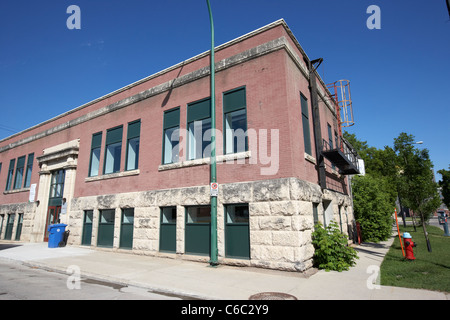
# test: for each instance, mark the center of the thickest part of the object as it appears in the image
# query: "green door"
(19, 227)
(237, 234)
(198, 230)
(9, 226)
(87, 228)
(105, 236)
(126, 229)
(168, 230)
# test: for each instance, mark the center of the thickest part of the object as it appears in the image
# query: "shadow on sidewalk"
(4, 246)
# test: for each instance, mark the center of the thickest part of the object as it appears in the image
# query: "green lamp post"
(213, 185)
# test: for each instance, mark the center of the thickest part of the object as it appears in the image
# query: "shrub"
(331, 249)
(373, 207)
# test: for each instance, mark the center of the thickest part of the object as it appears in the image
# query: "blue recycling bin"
(56, 234)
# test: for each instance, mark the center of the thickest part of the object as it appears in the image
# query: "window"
(95, 154)
(330, 137)
(330, 142)
(315, 213)
(199, 125)
(133, 137)
(126, 229)
(201, 214)
(113, 150)
(305, 122)
(12, 163)
(235, 121)
(105, 232)
(169, 215)
(237, 231)
(171, 136)
(19, 173)
(29, 170)
(57, 184)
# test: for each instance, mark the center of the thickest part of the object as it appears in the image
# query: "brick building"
(130, 170)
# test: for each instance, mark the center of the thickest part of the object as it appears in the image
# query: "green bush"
(332, 251)
(373, 207)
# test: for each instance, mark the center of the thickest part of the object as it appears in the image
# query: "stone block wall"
(280, 224)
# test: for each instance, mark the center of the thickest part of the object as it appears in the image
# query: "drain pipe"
(316, 122)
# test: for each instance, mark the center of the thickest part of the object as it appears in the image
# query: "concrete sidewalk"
(199, 281)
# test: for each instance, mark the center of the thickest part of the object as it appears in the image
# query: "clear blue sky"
(400, 74)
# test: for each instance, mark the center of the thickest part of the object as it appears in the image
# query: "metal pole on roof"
(213, 185)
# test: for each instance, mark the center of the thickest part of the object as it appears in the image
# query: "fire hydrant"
(409, 245)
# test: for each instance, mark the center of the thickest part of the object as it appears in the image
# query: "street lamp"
(213, 179)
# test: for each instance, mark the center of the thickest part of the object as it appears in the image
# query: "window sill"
(113, 175)
(16, 191)
(205, 161)
(310, 158)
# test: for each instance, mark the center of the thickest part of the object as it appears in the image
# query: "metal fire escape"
(342, 155)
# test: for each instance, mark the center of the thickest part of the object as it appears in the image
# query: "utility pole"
(213, 183)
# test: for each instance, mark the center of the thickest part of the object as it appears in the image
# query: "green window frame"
(235, 121)
(198, 230)
(171, 136)
(29, 170)
(105, 230)
(113, 150)
(237, 231)
(19, 172)
(199, 129)
(133, 140)
(168, 229)
(126, 229)
(9, 179)
(305, 123)
(94, 161)
(57, 184)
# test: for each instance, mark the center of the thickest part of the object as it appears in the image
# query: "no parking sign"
(214, 189)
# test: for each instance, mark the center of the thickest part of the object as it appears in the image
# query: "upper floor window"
(113, 150)
(305, 123)
(95, 154)
(9, 179)
(133, 139)
(235, 121)
(19, 173)
(29, 170)
(171, 136)
(199, 127)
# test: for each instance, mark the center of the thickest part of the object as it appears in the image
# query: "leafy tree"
(445, 185)
(374, 194)
(373, 207)
(415, 179)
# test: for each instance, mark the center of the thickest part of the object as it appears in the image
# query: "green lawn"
(430, 270)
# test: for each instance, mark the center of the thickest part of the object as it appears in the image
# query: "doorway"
(55, 200)
(52, 218)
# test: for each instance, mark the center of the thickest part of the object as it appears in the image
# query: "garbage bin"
(56, 234)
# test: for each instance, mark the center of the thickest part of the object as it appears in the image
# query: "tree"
(415, 179)
(445, 185)
(373, 207)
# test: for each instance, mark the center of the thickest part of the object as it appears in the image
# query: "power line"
(6, 128)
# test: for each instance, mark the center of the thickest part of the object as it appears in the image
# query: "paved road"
(20, 282)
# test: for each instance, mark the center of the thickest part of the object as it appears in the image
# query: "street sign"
(214, 189)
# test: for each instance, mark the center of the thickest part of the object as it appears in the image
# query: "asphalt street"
(21, 282)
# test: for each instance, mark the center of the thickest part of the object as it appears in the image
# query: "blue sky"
(400, 74)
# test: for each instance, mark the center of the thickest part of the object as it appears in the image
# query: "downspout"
(316, 122)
